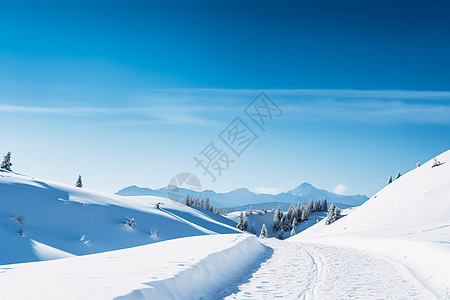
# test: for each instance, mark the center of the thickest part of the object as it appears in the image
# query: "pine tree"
(418, 164)
(6, 164)
(290, 212)
(390, 179)
(242, 222)
(263, 231)
(208, 204)
(294, 224)
(276, 219)
(245, 223)
(398, 175)
(280, 235)
(324, 204)
(333, 214)
(79, 183)
(310, 206)
(253, 230)
(187, 203)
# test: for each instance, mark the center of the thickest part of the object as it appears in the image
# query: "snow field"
(187, 268)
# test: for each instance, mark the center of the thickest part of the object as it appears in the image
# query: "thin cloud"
(206, 106)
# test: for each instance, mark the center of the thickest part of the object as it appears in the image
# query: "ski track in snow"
(316, 271)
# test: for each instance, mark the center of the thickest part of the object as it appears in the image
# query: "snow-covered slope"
(408, 220)
(60, 221)
(202, 267)
(244, 197)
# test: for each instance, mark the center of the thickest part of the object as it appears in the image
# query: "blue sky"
(129, 92)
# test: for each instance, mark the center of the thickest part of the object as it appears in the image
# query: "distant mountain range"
(242, 197)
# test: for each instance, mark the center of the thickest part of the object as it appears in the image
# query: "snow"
(408, 221)
(61, 221)
(186, 268)
(395, 246)
(314, 271)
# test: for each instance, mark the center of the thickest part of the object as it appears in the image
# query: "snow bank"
(187, 268)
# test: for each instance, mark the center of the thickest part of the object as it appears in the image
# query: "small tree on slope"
(333, 214)
(79, 183)
(6, 164)
(263, 231)
(390, 179)
(242, 222)
(398, 175)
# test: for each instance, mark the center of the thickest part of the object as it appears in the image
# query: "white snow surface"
(315, 271)
(201, 267)
(62, 221)
(408, 221)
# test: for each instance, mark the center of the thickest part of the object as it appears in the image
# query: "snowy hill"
(244, 197)
(200, 267)
(408, 220)
(42, 220)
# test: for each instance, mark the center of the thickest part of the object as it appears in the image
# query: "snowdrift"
(187, 268)
(41, 220)
(408, 221)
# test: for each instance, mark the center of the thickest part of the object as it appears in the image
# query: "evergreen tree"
(280, 234)
(390, 179)
(187, 203)
(333, 214)
(298, 212)
(418, 164)
(398, 175)
(253, 230)
(6, 164)
(305, 213)
(310, 206)
(79, 183)
(290, 212)
(245, 223)
(208, 204)
(324, 205)
(294, 224)
(263, 231)
(276, 220)
(241, 222)
(285, 223)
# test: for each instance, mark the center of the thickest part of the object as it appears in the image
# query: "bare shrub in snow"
(153, 234)
(85, 241)
(436, 163)
(17, 219)
(129, 222)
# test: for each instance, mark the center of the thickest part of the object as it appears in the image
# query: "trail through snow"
(316, 271)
